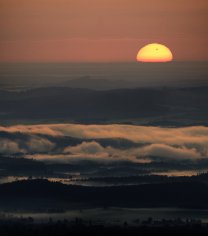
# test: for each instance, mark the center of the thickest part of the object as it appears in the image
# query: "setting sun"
(154, 53)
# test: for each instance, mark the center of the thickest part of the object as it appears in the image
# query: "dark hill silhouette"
(42, 193)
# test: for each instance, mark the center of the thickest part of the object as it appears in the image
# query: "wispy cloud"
(9, 147)
(37, 144)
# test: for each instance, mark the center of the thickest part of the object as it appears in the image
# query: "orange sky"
(101, 30)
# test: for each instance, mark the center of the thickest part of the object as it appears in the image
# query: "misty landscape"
(74, 147)
(103, 117)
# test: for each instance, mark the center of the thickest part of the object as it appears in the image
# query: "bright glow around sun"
(154, 52)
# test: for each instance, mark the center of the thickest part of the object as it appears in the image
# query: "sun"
(154, 52)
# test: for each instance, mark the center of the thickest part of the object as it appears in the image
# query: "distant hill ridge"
(121, 105)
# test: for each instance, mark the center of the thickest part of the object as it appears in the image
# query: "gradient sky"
(101, 30)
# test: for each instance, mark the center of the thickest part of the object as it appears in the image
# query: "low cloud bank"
(169, 144)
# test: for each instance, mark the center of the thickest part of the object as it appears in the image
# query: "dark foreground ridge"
(42, 194)
(25, 227)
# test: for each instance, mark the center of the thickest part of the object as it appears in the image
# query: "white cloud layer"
(189, 143)
(180, 136)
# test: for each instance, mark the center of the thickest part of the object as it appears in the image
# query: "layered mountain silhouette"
(167, 106)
